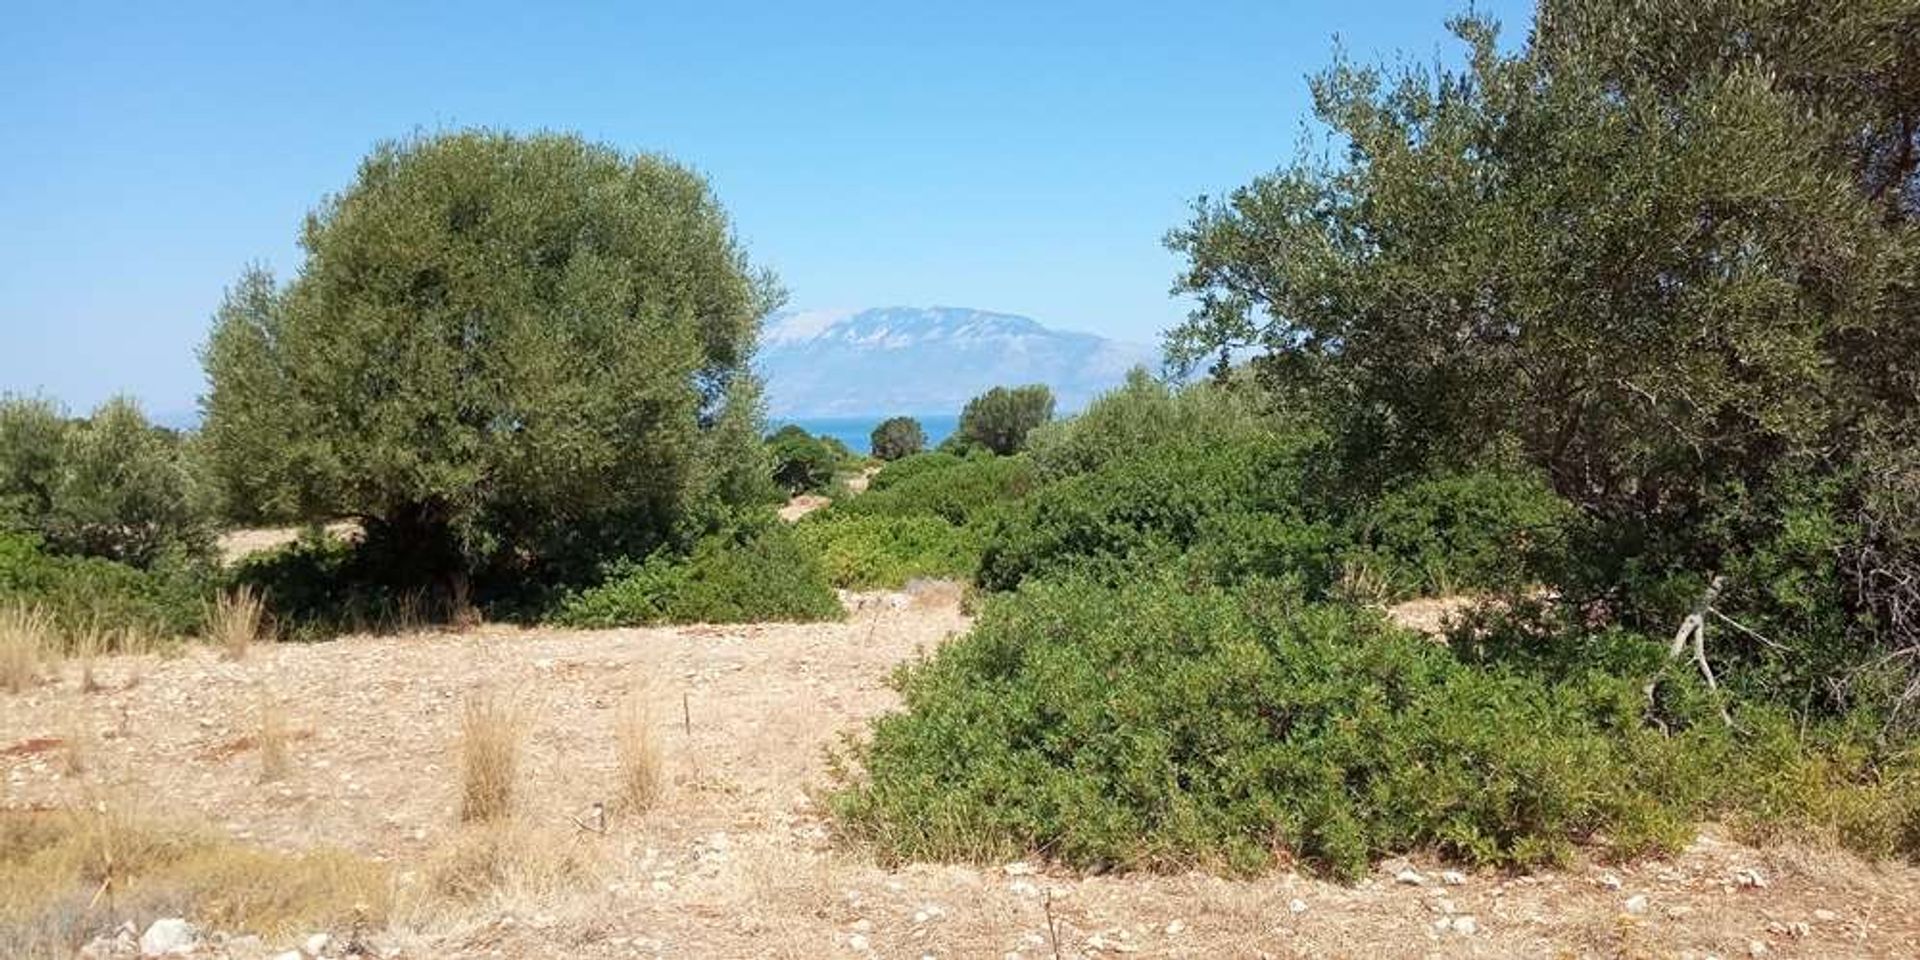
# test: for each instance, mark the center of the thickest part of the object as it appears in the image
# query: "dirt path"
(737, 861)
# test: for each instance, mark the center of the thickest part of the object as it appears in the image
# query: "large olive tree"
(498, 347)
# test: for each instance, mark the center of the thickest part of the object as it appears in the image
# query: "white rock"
(1466, 926)
(1756, 948)
(1410, 876)
(167, 935)
(859, 943)
(1610, 881)
(1750, 878)
(1453, 878)
(1297, 905)
(863, 925)
(1637, 904)
(1023, 888)
(1825, 916)
(1176, 928)
(315, 944)
(1019, 868)
(290, 955)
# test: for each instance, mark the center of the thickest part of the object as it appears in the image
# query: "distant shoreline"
(856, 430)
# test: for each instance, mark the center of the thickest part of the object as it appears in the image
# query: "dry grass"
(27, 638)
(67, 875)
(490, 735)
(271, 737)
(642, 769)
(235, 620)
(76, 754)
(506, 862)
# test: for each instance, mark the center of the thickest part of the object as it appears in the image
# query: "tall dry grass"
(490, 733)
(27, 639)
(642, 767)
(271, 737)
(235, 620)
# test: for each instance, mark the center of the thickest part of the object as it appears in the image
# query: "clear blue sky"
(1019, 156)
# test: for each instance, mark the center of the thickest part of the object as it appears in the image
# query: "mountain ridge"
(919, 360)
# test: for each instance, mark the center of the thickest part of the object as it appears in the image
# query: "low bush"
(959, 491)
(760, 574)
(906, 468)
(1488, 530)
(1152, 505)
(92, 596)
(1157, 725)
(862, 552)
(322, 586)
(802, 462)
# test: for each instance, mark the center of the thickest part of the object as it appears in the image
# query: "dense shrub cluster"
(110, 485)
(802, 462)
(923, 516)
(999, 420)
(1159, 725)
(90, 595)
(759, 574)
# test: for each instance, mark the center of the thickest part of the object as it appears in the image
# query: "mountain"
(822, 363)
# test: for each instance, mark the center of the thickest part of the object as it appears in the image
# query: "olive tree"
(496, 348)
(1001, 418)
(897, 437)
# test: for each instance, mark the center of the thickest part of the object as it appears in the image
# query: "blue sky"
(1014, 156)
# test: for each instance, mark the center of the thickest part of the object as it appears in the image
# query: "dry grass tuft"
(65, 875)
(235, 621)
(642, 769)
(507, 862)
(271, 737)
(26, 639)
(490, 734)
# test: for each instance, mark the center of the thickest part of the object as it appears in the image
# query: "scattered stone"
(1825, 916)
(1637, 904)
(1019, 868)
(1610, 881)
(1798, 928)
(863, 925)
(1466, 926)
(1297, 905)
(167, 936)
(1453, 878)
(859, 943)
(1750, 878)
(1023, 888)
(1410, 876)
(1176, 928)
(290, 955)
(1756, 948)
(315, 944)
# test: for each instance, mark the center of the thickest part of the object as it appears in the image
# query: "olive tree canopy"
(497, 346)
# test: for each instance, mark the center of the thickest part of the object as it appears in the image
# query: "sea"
(857, 432)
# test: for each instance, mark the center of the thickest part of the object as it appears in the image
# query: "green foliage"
(89, 594)
(111, 486)
(743, 576)
(1481, 531)
(499, 351)
(897, 437)
(321, 587)
(1238, 502)
(960, 491)
(1000, 419)
(1665, 251)
(1156, 726)
(870, 551)
(1159, 726)
(906, 468)
(802, 462)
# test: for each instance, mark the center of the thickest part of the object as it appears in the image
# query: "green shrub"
(1156, 726)
(1000, 419)
(897, 437)
(765, 574)
(111, 485)
(955, 490)
(907, 468)
(1484, 530)
(320, 587)
(88, 594)
(860, 552)
(1143, 413)
(1155, 503)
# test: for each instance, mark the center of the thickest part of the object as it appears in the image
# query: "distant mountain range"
(887, 360)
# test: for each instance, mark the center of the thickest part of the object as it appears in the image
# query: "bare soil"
(738, 859)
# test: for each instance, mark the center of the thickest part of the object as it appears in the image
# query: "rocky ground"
(737, 860)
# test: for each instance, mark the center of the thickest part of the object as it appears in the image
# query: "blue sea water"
(857, 432)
